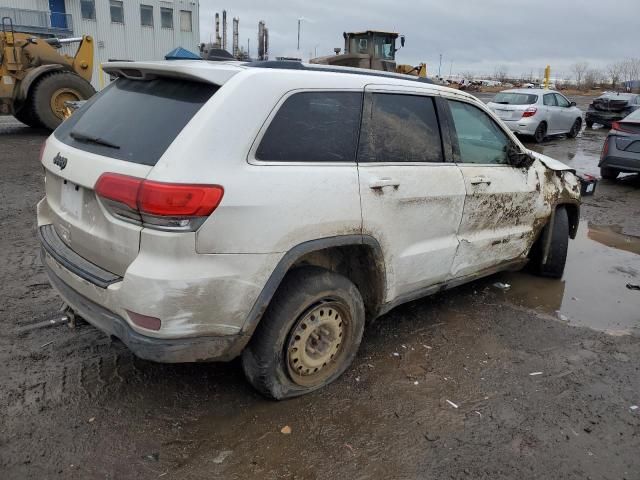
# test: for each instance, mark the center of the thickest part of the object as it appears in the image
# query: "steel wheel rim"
(316, 343)
(59, 98)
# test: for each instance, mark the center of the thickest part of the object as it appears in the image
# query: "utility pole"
(440, 66)
(450, 68)
(299, 22)
(248, 52)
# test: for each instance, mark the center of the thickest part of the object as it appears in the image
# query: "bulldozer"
(36, 81)
(372, 49)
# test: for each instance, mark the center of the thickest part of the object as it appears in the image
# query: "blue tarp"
(181, 54)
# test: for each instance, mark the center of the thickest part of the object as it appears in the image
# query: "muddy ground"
(74, 404)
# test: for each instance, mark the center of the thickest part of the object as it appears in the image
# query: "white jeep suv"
(200, 211)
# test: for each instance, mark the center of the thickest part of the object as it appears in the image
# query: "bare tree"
(631, 70)
(579, 69)
(615, 73)
(500, 73)
(592, 78)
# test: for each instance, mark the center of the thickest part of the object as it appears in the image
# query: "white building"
(122, 29)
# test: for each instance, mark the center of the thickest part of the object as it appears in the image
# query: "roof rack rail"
(297, 65)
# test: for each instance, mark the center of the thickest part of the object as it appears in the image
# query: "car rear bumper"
(603, 118)
(524, 126)
(623, 161)
(202, 301)
(176, 350)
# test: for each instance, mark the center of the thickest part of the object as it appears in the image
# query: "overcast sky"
(472, 35)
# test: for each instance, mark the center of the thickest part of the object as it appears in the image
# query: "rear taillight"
(605, 149)
(620, 127)
(529, 112)
(42, 147)
(160, 205)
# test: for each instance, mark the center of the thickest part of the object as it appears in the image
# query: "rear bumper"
(623, 161)
(197, 349)
(603, 118)
(524, 126)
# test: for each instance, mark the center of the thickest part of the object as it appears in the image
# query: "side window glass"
(314, 127)
(561, 101)
(402, 128)
(480, 140)
(549, 100)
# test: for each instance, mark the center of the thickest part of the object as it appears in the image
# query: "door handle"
(480, 181)
(379, 183)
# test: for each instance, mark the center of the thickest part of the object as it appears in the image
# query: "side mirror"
(518, 158)
(573, 104)
(402, 40)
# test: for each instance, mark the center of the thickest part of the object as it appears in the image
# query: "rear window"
(135, 120)
(507, 98)
(314, 127)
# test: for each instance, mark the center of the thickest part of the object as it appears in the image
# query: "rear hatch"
(512, 105)
(125, 129)
(611, 103)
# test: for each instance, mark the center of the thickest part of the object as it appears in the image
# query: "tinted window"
(402, 128)
(117, 11)
(479, 139)
(88, 9)
(140, 118)
(166, 17)
(508, 98)
(314, 127)
(549, 100)
(146, 15)
(561, 101)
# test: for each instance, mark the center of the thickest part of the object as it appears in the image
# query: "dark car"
(610, 107)
(621, 151)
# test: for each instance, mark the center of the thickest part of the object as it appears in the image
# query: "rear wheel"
(49, 95)
(557, 256)
(309, 335)
(575, 129)
(540, 133)
(589, 123)
(609, 173)
(26, 116)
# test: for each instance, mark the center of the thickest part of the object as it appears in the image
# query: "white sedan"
(537, 112)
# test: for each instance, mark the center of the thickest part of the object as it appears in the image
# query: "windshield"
(510, 98)
(383, 47)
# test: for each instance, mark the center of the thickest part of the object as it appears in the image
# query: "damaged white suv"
(201, 211)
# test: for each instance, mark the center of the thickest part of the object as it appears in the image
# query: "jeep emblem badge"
(60, 161)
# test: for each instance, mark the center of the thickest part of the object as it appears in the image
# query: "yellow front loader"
(36, 80)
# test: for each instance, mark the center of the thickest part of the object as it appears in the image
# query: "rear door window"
(314, 127)
(401, 128)
(135, 120)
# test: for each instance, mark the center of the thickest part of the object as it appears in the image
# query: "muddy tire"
(309, 335)
(609, 173)
(540, 133)
(589, 124)
(51, 91)
(575, 128)
(557, 258)
(25, 115)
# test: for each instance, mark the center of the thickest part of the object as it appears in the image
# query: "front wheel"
(540, 133)
(575, 129)
(309, 335)
(557, 256)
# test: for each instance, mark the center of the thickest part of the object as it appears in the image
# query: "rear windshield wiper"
(83, 137)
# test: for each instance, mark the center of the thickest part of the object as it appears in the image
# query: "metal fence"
(38, 21)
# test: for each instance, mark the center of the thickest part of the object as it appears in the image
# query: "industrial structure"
(121, 29)
(218, 49)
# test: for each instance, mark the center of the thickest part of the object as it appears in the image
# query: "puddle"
(592, 293)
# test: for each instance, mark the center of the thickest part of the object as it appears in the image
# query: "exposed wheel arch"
(357, 257)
